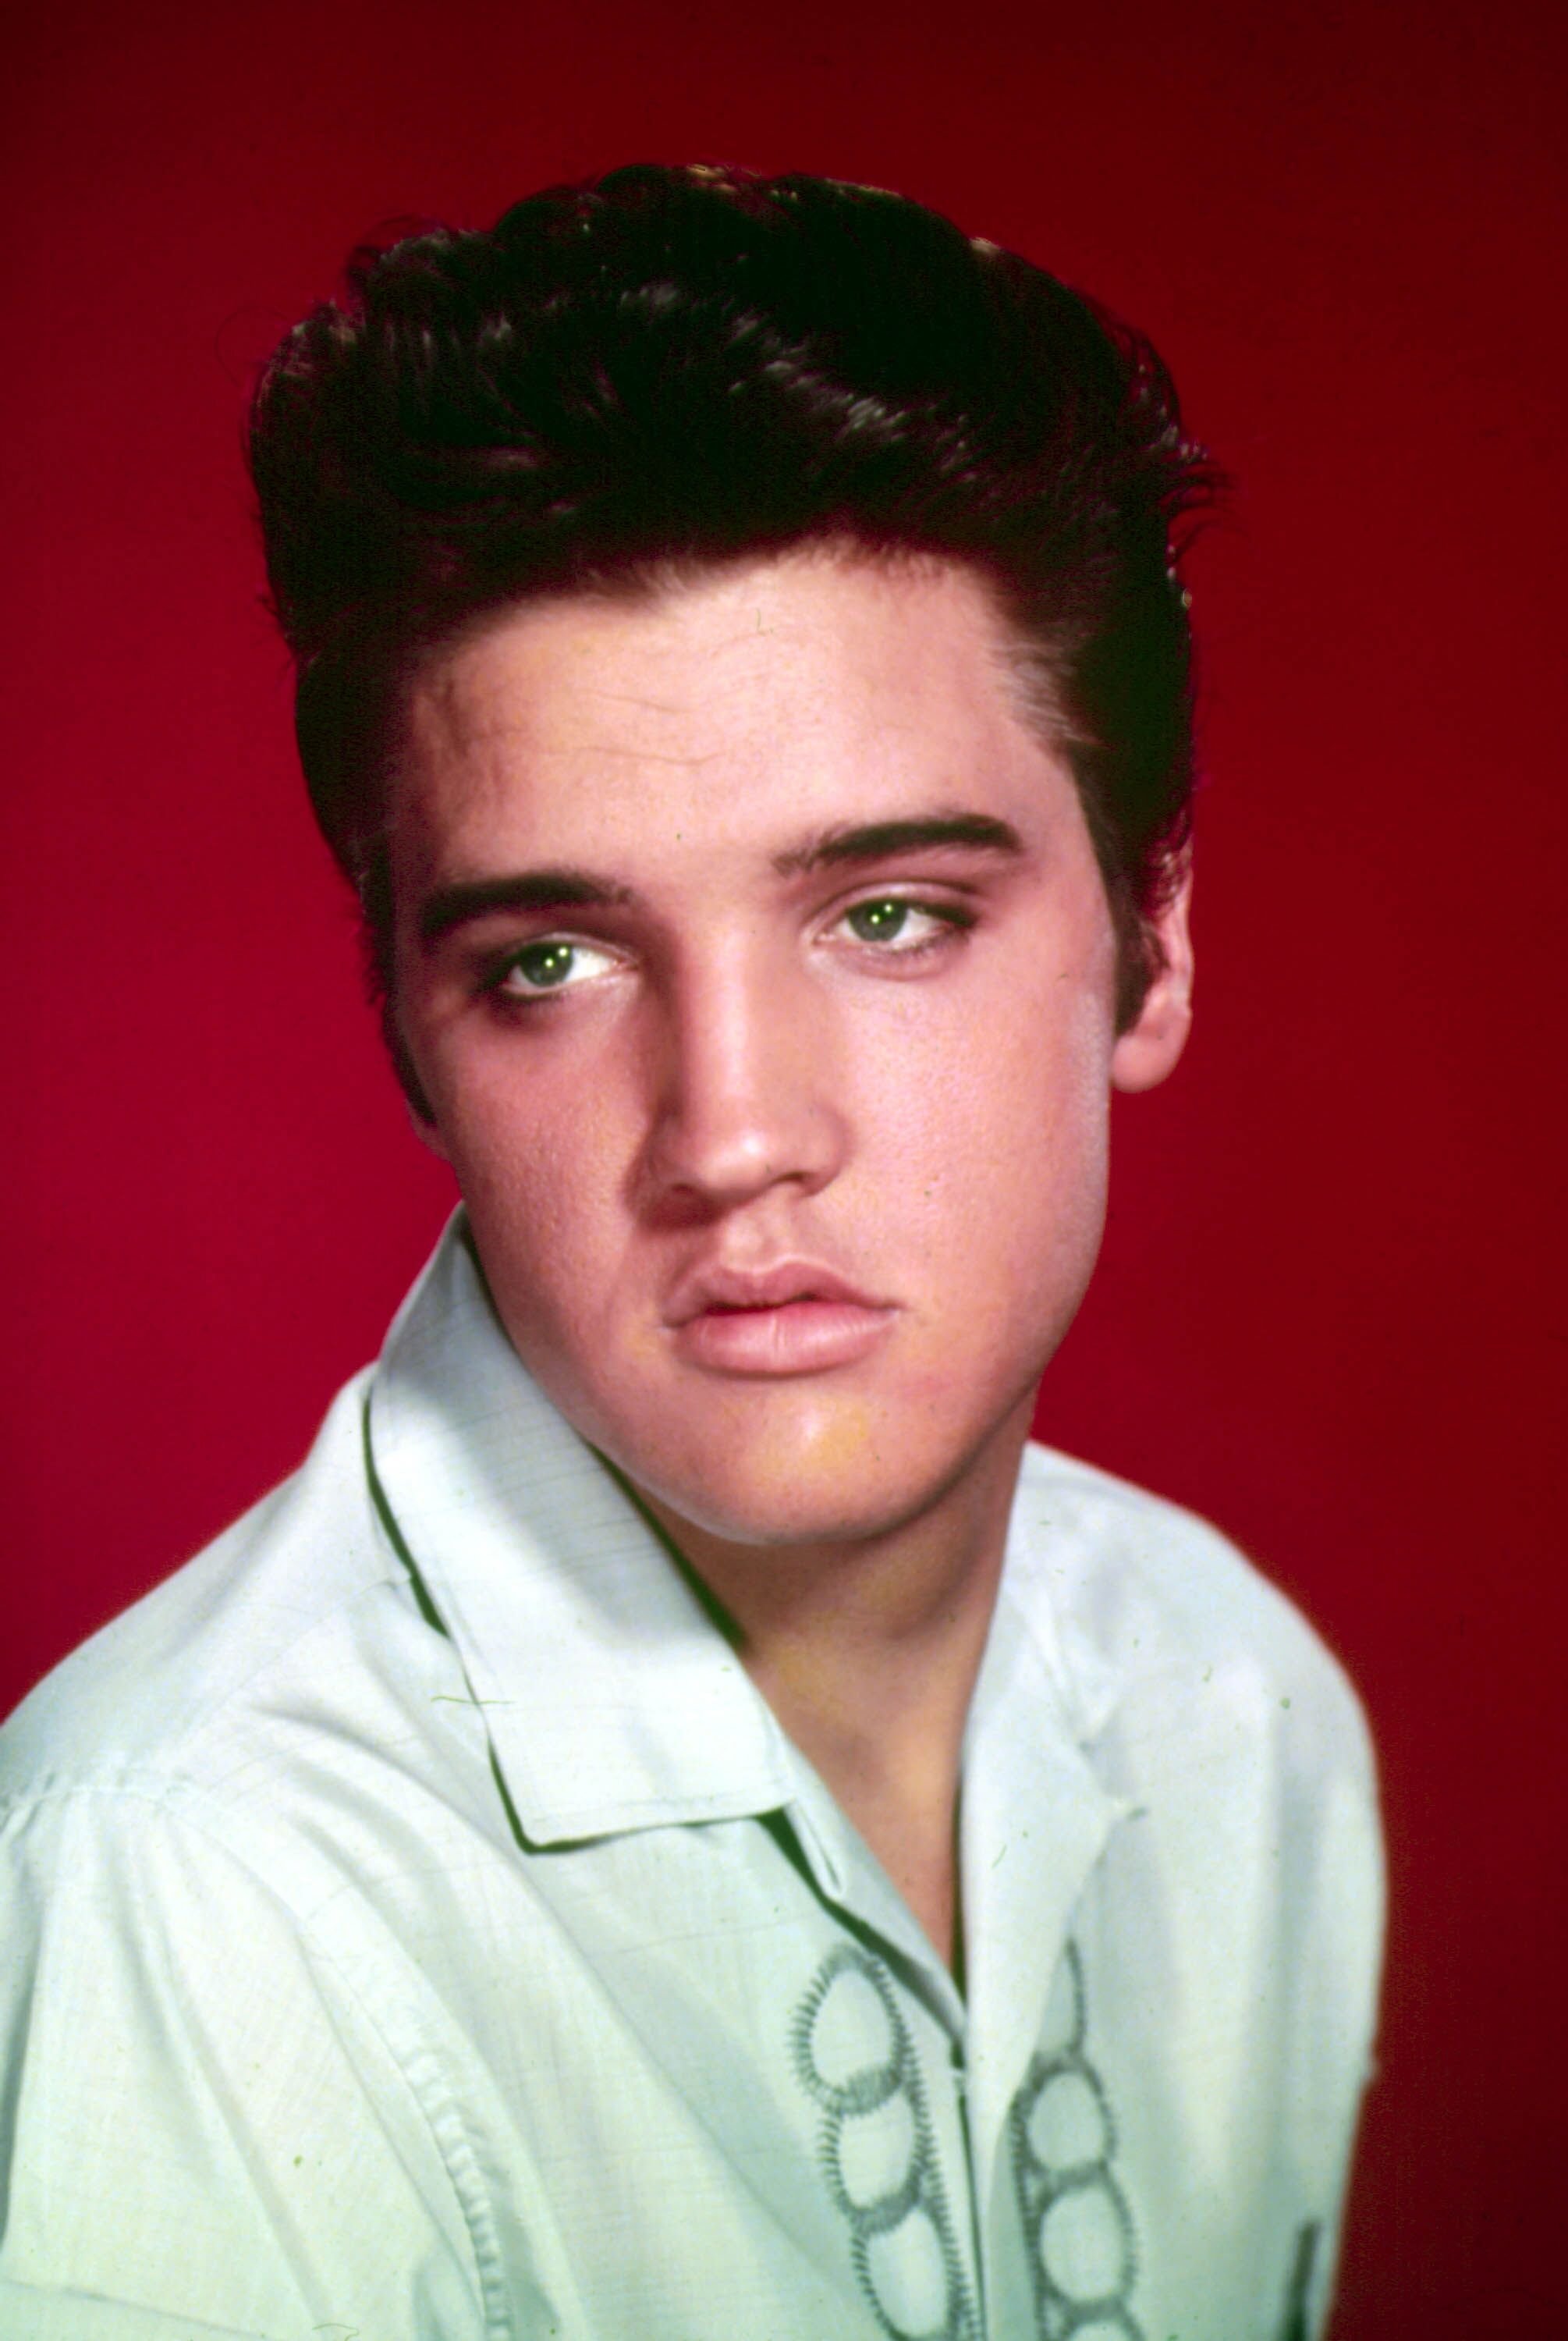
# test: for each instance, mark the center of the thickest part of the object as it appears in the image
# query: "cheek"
(1015, 1198)
(1011, 1108)
(542, 1170)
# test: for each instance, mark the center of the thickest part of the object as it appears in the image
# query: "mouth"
(796, 1317)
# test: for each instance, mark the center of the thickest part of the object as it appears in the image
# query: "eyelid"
(915, 895)
(951, 919)
(912, 886)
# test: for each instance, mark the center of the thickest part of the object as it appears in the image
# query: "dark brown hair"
(672, 368)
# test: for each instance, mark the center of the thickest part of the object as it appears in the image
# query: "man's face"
(753, 958)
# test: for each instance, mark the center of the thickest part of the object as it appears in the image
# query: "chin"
(761, 1520)
(760, 1464)
(842, 1487)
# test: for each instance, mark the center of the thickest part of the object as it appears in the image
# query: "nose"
(747, 1095)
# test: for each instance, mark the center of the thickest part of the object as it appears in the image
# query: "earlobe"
(1150, 1046)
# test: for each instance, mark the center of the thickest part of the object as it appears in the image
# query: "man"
(678, 1821)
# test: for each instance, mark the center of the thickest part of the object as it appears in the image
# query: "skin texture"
(742, 1058)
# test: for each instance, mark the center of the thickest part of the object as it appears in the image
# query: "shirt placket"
(1036, 1821)
(878, 2043)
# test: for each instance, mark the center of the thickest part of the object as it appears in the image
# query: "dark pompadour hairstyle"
(669, 368)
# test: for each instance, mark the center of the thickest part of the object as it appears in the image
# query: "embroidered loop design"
(1079, 2229)
(854, 2055)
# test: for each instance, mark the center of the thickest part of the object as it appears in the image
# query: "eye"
(895, 925)
(549, 965)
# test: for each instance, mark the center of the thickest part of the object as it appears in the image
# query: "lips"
(793, 1316)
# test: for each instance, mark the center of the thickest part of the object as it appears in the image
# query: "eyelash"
(953, 919)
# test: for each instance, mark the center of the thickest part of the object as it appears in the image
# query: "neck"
(868, 1649)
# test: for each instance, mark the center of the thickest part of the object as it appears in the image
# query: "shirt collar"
(611, 1701)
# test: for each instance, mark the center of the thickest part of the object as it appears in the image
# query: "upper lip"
(718, 1287)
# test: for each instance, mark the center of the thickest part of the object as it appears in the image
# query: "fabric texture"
(413, 1923)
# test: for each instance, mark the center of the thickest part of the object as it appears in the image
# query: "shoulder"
(197, 1812)
(228, 1770)
(1211, 1708)
(164, 1689)
(1140, 1591)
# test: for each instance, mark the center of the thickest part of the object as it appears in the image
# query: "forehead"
(747, 702)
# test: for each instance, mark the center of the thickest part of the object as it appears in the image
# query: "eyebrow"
(454, 905)
(465, 899)
(874, 841)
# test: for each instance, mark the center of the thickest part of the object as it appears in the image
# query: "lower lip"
(802, 1337)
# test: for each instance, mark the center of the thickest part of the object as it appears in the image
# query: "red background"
(1325, 1315)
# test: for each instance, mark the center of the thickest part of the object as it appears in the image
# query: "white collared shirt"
(413, 1923)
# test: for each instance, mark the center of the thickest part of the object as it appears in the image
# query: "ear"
(1148, 1050)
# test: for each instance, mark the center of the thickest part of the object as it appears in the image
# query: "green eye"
(901, 931)
(554, 963)
(878, 923)
(544, 966)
